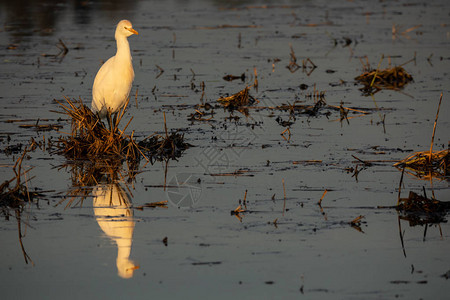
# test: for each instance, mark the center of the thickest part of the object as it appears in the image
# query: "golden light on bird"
(113, 81)
(132, 30)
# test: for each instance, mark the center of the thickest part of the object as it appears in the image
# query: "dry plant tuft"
(423, 163)
(374, 80)
(16, 195)
(237, 100)
(428, 163)
(391, 78)
(90, 139)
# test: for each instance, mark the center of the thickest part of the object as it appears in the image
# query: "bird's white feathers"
(113, 81)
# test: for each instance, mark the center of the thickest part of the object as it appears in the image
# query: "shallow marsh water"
(84, 250)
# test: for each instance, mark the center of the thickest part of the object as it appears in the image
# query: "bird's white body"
(113, 81)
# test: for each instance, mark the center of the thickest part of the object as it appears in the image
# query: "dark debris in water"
(13, 149)
(446, 275)
(234, 77)
(161, 147)
(420, 210)
(162, 204)
(42, 127)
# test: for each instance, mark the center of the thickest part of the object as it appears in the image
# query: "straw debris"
(392, 78)
(90, 139)
(424, 164)
(374, 80)
(237, 100)
(428, 163)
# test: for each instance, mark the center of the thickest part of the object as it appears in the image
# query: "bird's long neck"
(123, 48)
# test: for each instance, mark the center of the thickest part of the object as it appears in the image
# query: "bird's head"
(125, 28)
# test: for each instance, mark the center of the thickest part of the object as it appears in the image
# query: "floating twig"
(321, 198)
(284, 202)
(434, 127)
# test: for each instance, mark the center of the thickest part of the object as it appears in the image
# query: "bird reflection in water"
(112, 209)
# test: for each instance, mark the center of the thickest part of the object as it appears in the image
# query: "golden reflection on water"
(112, 210)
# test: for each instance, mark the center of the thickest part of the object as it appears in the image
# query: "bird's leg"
(108, 118)
(98, 117)
(115, 120)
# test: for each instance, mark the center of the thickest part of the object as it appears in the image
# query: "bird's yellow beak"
(132, 31)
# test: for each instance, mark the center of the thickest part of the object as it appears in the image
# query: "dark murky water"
(194, 247)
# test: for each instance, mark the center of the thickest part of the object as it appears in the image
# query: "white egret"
(113, 81)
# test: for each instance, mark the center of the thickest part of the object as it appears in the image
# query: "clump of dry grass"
(429, 163)
(374, 80)
(90, 139)
(424, 163)
(237, 100)
(391, 78)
